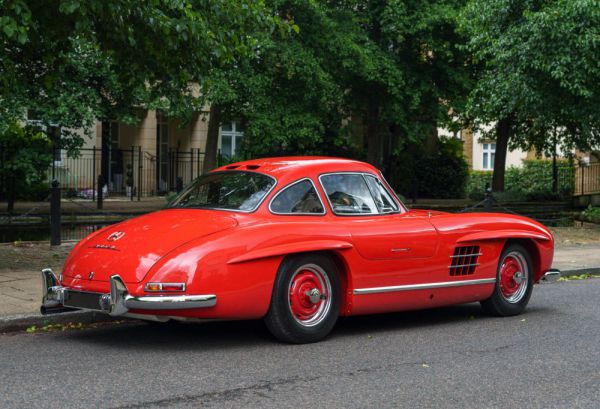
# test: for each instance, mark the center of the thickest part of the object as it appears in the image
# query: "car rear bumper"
(551, 275)
(118, 301)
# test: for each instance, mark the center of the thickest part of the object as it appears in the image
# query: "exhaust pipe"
(59, 309)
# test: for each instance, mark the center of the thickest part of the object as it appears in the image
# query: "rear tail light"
(164, 287)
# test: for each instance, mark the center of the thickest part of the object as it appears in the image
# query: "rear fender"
(291, 248)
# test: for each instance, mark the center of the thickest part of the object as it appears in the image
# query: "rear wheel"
(306, 299)
(514, 282)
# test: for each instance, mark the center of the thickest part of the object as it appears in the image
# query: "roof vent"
(252, 167)
(464, 260)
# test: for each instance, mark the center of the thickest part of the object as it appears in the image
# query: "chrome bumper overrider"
(551, 275)
(118, 302)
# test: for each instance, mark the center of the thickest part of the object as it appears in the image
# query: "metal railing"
(587, 179)
(130, 173)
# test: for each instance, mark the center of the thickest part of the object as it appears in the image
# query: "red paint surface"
(236, 255)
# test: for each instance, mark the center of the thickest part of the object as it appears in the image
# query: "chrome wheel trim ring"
(524, 270)
(325, 306)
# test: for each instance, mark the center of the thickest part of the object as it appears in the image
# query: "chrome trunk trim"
(424, 286)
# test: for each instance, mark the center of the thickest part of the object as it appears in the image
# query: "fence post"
(127, 176)
(140, 168)
(488, 202)
(55, 214)
(582, 167)
(100, 188)
(191, 164)
(93, 173)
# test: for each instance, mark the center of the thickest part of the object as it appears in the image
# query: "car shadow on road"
(236, 334)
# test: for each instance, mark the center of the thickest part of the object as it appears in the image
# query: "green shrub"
(440, 175)
(532, 181)
(591, 214)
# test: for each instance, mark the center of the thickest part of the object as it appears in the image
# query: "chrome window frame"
(365, 176)
(283, 189)
(400, 208)
(258, 205)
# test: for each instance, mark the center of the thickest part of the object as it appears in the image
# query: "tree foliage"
(537, 68)
(73, 61)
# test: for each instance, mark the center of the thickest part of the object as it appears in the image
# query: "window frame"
(289, 185)
(393, 196)
(258, 205)
(489, 152)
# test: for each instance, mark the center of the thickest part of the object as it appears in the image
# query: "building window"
(231, 139)
(489, 153)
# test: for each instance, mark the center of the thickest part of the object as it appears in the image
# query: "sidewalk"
(20, 290)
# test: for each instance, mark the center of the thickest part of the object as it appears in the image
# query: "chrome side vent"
(464, 260)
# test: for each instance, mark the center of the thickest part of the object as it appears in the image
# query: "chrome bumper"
(55, 298)
(551, 276)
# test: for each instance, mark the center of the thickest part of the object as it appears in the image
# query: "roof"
(295, 167)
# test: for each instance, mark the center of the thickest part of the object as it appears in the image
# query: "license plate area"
(81, 299)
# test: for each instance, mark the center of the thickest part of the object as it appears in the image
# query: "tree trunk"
(11, 195)
(502, 136)
(432, 142)
(212, 139)
(374, 141)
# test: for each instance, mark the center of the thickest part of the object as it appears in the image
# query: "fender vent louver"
(464, 260)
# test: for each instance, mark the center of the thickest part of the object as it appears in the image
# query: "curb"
(14, 323)
(579, 271)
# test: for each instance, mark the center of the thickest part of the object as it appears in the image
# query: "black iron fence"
(130, 173)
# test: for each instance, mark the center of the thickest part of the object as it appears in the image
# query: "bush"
(441, 175)
(533, 181)
(591, 214)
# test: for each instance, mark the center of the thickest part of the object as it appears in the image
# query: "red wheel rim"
(309, 295)
(514, 276)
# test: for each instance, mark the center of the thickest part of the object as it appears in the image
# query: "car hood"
(132, 247)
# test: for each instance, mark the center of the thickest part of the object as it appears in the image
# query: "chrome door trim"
(424, 286)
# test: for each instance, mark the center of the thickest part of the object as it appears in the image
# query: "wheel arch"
(534, 253)
(344, 274)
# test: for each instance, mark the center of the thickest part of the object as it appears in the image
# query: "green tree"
(25, 155)
(73, 61)
(387, 72)
(537, 68)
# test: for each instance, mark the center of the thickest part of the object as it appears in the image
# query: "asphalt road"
(452, 357)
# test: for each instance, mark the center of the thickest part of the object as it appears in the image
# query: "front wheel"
(514, 282)
(306, 299)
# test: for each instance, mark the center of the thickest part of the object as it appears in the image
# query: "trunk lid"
(132, 247)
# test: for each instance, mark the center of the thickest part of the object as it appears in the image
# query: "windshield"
(232, 190)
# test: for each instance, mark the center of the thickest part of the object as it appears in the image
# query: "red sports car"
(299, 241)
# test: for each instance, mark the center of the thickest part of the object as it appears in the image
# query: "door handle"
(401, 250)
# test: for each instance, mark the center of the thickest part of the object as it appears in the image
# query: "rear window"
(230, 190)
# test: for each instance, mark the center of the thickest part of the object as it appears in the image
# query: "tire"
(298, 314)
(512, 290)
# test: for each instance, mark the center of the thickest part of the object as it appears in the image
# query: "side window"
(383, 200)
(300, 198)
(348, 194)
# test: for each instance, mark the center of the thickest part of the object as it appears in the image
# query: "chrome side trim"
(467, 255)
(464, 265)
(424, 286)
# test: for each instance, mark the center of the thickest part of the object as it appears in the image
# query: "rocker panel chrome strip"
(425, 286)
